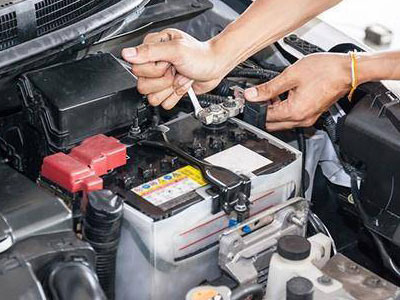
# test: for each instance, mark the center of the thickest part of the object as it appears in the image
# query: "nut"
(325, 280)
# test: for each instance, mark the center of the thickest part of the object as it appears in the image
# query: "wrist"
(345, 73)
(369, 66)
(223, 61)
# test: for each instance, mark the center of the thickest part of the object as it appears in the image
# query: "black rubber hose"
(255, 290)
(102, 229)
(253, 73)
(388, 262)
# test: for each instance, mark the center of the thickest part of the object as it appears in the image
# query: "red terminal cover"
(101, 153)
(81, 169)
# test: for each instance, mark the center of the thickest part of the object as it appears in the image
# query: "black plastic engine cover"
(371, 141)
(69, 102)
(26, 210)
(25, 268)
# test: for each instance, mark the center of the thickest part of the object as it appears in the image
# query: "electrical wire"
(301, 141)
(324, 230)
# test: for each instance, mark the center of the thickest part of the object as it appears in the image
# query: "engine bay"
(107, 197)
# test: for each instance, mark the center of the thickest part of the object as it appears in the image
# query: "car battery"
(171, 230)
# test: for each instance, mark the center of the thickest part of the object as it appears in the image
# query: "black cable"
(253, 73)
(224, 88)
(255, 290)
(301, 141)
(386, 259)
(206, 100)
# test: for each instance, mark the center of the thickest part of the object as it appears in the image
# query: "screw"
(82, 39)
(324, 280)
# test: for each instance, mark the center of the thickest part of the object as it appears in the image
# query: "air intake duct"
(102, 229)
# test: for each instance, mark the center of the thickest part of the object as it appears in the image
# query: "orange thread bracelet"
(354, 77)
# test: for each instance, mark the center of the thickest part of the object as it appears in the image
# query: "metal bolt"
(353, 269)
(196, 4)
(295, 220)
(373, 282)
(325, 280)
(230, 102)
(214, 108)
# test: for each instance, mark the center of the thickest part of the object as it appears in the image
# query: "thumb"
(270, 89)
(153, 52)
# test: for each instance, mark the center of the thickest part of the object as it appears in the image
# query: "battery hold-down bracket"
(232, 190)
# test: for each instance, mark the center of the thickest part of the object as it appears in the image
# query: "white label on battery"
(171, 186)
(239, 159)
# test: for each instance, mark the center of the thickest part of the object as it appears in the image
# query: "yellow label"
(194, 174)
(171, 185)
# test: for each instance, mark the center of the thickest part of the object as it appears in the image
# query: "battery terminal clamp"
(233, 190)
(219, 113)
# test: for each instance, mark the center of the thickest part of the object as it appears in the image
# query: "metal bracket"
(246, 249)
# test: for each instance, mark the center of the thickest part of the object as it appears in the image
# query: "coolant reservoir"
(297, 256)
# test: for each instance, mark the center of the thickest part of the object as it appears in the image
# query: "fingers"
(147, 86)
(151, 70)
(168, 51)
(278, 126)
(152, 65)
(174, 98)
(163, 36)
(281, 111)
(168, 97)
(180, 81)
(156, 37)
(270, 89)
(156, 99)
(288, 114)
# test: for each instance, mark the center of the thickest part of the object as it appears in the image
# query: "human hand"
(169, 62)
(314, 83)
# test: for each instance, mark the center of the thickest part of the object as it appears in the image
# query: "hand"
(169, 62)
(314, 83)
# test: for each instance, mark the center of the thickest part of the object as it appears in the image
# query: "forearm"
(378, 66)
(263, 23)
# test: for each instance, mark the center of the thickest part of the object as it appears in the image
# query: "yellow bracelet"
(354, 76)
